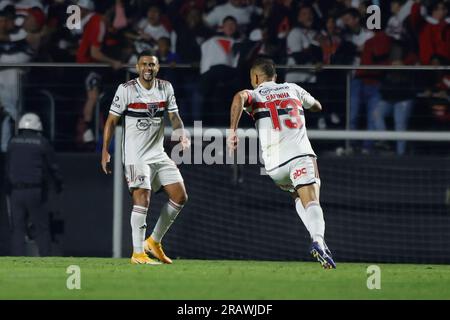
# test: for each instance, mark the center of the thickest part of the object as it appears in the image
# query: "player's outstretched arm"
(110, 128)
(178, 128)
(237, 106)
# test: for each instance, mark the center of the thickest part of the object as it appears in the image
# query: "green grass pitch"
(102, 278)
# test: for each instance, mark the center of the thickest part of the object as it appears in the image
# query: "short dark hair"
(145, 53)
(433, 5)
(9, 12)
(165, 39)
(266, 65)
(353, 12)
(229, 18)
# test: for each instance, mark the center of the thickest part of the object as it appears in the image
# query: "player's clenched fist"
(106, 158)
(185, 142)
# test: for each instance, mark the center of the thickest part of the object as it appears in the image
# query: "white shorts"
(300, 171)
(152, 176)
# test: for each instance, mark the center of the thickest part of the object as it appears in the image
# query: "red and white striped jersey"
(278, 111)
(143, 134)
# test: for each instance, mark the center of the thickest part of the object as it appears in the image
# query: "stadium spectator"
(260, 43)
(24, 8)
(329, 40)
(89, 51)
(166, 56)
(267, 36)
(30, 165)
(191, 33)
(354, 33)
(120, 18)
(268, 31)
(437, 94)
(400, 11)
(331, 82)
(303, 47)
(217, 66)
(14, 48)
(115, 44)
(22, 5)
(234, 8)
(397, 93)
(367, 82)
(274, 19)
(361, 93)
(150, 29)
(62, 42)
(434, 31)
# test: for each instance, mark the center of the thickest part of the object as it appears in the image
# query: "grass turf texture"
(101, 278)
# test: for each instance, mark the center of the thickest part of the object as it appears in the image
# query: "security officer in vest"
(30, 162)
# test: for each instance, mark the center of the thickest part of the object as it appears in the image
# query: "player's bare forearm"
(176, 121)
(178, 128)
(110, 128)
(237, 106)
(108, 132)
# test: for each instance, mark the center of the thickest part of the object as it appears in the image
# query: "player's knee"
(181, 199)
(141, 197)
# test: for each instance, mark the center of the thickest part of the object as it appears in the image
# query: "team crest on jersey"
(143, 124)
(152, 108)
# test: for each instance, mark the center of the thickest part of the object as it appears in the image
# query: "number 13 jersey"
(278, 111)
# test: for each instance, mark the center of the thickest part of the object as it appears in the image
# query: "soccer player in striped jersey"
(143, 102)
(278, 112)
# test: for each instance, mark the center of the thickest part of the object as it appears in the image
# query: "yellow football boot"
(142, 258)
(156, 250)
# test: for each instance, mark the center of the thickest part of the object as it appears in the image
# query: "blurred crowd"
(221, 38)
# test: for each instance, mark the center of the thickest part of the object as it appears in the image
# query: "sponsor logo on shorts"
(143, 124)
(141, 179)
(298, 173)
(116, 98)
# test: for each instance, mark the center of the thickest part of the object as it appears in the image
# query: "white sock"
(315, 222)
(301, 212)
(167, 216)
(138, 228)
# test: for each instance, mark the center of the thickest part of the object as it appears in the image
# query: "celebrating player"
(142, 101)
(287, 153)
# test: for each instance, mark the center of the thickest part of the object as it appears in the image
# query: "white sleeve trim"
(114, 112)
